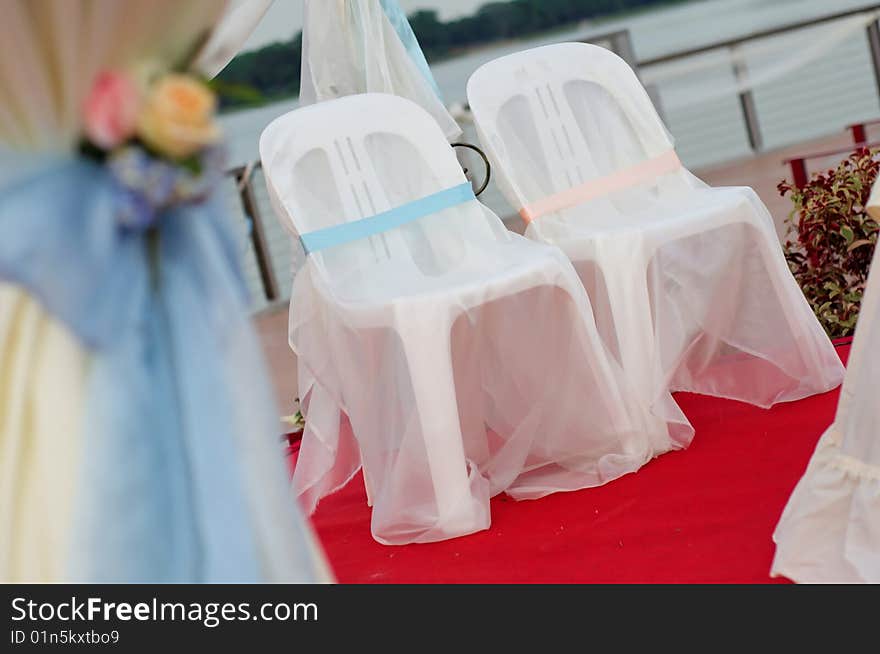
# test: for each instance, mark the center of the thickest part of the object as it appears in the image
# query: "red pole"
(858, 133)
(799, 172)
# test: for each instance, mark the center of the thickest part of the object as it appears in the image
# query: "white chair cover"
(688, 283)
(830, 529)
(451, 357)
(350, 46)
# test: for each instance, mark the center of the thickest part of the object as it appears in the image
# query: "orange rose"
(178, 119)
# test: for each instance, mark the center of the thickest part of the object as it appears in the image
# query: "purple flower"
(146, 185)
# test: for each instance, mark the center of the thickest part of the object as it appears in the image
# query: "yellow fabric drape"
(43, 373)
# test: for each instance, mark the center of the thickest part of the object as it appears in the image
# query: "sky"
(284, 17)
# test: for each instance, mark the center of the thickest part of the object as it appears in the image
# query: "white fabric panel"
(452, 358)
(229, 34)
(830, 529)
(350, 46)
(689, 285)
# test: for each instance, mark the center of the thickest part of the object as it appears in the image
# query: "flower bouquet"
(158, 136)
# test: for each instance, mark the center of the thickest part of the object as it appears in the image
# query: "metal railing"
(620, 43)
(243, 176)
(740, 71)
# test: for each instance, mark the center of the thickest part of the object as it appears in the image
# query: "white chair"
(689, 285)
(452, 358)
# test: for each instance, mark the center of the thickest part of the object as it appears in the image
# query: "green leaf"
(847, 234)
(832, 287)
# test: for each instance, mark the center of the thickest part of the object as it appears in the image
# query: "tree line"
(273, 71)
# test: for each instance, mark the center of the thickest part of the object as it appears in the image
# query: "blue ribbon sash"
(356, 230)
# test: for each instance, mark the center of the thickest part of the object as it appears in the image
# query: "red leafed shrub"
(831, 238)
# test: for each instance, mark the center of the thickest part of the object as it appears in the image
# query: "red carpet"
(705, 514)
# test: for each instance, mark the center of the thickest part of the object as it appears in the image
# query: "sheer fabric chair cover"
(52, 505)
(451, 358)
(366, 46)
(43, 376)
(689, 286)
(830, 529)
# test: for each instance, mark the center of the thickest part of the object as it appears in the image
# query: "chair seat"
(500, 265)
(657, 214)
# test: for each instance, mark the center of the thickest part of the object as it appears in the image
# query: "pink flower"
(112, 110)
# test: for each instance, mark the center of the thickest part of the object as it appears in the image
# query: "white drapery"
(50, 52)
(830, 529)
(351, 47)
(229, 34)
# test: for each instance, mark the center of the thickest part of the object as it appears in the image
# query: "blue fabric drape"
(177, 385)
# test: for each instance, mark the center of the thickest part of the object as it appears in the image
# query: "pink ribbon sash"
(649, 169)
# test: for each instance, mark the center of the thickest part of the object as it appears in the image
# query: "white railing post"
(746, 99)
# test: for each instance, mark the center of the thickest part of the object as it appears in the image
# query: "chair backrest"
(357, 156)
(555, 117)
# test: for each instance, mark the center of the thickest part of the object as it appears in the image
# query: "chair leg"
(433, 386)
(367, 484)
(627, 288)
